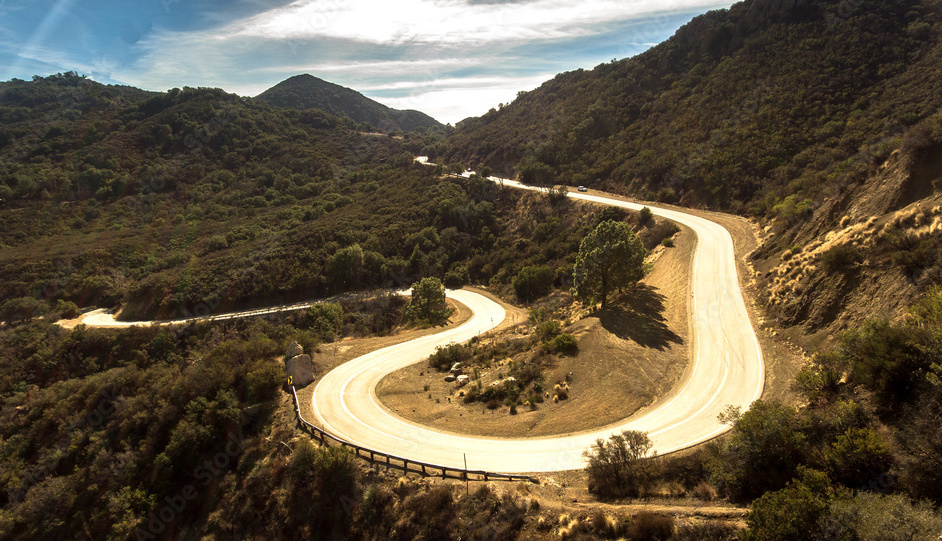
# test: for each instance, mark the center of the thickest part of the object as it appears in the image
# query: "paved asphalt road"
(726, 368)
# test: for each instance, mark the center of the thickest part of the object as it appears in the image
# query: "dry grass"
(787, 279)
(561, 392)
(604, 525)
(704, 491)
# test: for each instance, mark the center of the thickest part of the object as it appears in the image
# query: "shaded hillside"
(740, 109)
(308, 92)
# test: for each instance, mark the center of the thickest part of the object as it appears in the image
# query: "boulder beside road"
(298, 366)
(294, 350)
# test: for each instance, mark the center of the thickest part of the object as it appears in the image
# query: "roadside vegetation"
(610, 258)
(519, 383)
(427, 304)
(865, 445)
(124, 433)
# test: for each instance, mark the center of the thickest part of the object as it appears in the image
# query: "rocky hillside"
(308, 92)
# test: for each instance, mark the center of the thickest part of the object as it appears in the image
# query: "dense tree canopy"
(195, 201)
(533, 282)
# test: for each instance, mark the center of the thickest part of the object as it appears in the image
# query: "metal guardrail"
(398, 462)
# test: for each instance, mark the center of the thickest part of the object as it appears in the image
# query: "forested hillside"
(308, 92)
(191, 202)
(739, 110)
(196, 201)
(821, 120)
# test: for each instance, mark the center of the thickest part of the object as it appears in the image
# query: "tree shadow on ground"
(638, 315)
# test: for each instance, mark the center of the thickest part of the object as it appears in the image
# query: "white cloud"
(447, 58)
(453, 82)
(457, 102)
(446, 22)
(382, 66)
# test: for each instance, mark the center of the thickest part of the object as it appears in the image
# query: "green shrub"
(216, 242)
(820, 379)
(457, 277)
(446, 356)
(533, 282)
(793, 209)
(326, 320)
(614, 467)
(67, 309)
(873, 517)
(841, 258)
(564, 344)
(262, 381)
(761, 453)
(547, 331)
(21, 309)
(792, 512)
(858, 456)
(645, 216)
(889, 359)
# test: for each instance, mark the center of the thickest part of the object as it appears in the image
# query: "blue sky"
(448, 58)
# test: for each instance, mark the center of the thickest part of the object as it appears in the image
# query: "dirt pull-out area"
(629, 355)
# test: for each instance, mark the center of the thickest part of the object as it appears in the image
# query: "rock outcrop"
(299, 367)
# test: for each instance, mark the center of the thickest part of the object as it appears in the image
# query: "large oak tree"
(610, 257)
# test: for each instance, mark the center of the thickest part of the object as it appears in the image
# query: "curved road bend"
(726, 368)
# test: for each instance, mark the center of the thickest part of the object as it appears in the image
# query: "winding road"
(726, 368)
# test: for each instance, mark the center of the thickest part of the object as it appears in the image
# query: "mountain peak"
(306, 91)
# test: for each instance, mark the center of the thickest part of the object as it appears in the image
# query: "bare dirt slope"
(629, 355)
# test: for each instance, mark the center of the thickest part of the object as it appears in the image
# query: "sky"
(450, 59)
